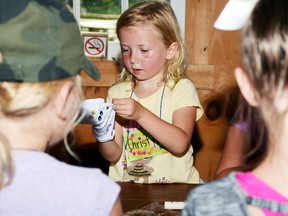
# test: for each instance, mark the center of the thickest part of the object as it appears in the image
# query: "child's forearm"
(110, 150)
(175, 137)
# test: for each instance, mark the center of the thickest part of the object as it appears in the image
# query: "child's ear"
(173, 48)
(246, 87)
(62, 99)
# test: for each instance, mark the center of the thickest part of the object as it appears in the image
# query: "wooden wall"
(213, 56)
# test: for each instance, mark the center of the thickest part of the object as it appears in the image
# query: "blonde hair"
(6, 162)
(161, 15)
(24, 99)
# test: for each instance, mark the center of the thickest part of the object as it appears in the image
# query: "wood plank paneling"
(108, 70)
(219, 51)
(203, 76)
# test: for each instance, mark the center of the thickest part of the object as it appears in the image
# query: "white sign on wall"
(95, 45)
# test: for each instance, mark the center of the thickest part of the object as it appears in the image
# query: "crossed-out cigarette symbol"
(94, 46)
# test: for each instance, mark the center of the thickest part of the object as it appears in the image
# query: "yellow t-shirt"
(143, 160)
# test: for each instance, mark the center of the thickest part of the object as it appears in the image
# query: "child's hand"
(127, 108)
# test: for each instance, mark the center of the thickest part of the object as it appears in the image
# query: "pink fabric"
(255, 187)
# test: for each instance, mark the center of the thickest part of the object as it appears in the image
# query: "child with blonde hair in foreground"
(41, 56)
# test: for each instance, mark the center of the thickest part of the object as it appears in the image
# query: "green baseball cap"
(40, 41)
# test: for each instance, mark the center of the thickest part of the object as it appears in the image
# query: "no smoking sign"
(95, 45)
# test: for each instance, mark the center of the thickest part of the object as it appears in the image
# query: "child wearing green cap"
(41, 56)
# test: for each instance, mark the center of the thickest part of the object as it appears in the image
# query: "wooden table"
(136, 196)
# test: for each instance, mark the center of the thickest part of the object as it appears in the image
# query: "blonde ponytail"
(6, 162)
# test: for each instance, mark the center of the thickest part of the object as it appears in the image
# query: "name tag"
(139, 144)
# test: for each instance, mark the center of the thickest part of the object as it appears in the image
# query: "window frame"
(113, 47)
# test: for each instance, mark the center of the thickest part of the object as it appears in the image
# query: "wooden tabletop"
(136, 196)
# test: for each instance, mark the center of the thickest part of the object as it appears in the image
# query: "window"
(101, 16)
